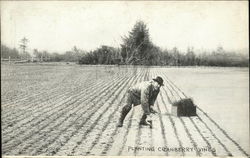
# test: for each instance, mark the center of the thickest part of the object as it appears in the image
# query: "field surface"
(73, 110)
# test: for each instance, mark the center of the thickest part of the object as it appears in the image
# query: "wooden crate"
(183, 107)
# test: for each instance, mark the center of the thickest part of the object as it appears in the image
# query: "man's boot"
(143, 120)
(153, 111)
(124, 112)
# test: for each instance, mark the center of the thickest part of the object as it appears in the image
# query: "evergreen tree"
(136, 48)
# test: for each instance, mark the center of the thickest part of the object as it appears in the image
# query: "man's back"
(141, 87)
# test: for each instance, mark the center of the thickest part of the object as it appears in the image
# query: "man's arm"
(152, 101)
(154, 96)
(145, 100)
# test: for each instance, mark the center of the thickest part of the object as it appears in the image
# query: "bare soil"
(73, 110)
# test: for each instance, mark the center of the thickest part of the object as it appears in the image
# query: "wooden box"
(183, 107)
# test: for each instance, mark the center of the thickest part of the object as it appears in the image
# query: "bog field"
(69, 109)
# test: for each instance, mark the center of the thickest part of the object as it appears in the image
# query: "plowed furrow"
(109, 129)
(174, 128)
(58, 93)
(84, 125)
(121, 139)
(179, 130)
(102, 149)
(132, 134)
(40, 107)
(42, 84)
(158, 136)
(142, 139)
(121, 135)
(171, 119)
(68, 147)
(58, 116)
(35, 120)
(183, 123)
(232, 145)
(66, 80)
(53, 92)
(208, 143)
(52, 112)
(30, 100)
(216, 143)
(113, 93)
(181, 93)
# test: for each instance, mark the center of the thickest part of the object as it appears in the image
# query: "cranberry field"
(67, 109)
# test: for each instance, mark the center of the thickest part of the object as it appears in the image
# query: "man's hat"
(159, 80)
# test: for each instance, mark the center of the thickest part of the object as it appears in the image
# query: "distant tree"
(166, 57)
(68, 56)
(77, 53)
(135, 48)
(220, 50)
(103, 55)
(175, 57)
(40, 56)
(74, 55)
(37, 54)
(7, 52)
(23, 47)
(153, 56)
(190, 57)
(56, 57)
(45, 56)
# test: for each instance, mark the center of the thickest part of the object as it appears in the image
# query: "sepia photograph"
(125, 78)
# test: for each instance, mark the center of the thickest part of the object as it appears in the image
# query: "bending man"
(144, 93)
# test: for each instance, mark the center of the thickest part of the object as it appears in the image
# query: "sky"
(57, 26)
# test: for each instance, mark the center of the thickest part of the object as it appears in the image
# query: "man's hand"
(153, 111)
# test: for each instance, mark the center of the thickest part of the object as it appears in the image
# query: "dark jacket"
(143, 93)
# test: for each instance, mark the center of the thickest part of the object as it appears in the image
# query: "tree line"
(41, 55)
(136, 49)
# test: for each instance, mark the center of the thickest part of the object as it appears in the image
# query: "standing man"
(144, 93)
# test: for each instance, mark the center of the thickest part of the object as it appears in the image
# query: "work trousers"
(135, 100)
